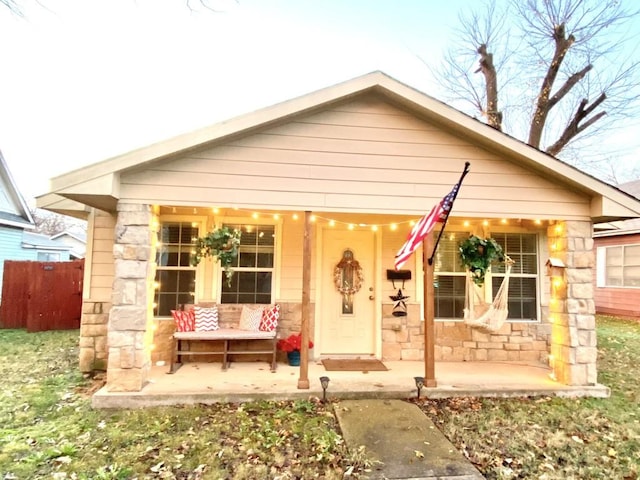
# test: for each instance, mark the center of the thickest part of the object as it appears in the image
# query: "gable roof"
(97, 185)
(622, 227)
(14, 211)
(42, 242)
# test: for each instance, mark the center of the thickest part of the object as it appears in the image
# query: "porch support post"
(303, 381)
(429, 314)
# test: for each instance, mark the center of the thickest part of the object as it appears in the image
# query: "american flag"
(438, 214)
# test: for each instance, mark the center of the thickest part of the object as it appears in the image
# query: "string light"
(332, 222)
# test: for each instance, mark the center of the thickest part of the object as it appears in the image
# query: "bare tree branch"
(549, 58)
(574, 127)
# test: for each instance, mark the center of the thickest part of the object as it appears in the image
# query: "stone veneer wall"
(403, 339)
(93, 336)
(229, 316)
(130, 320)
(572, 307)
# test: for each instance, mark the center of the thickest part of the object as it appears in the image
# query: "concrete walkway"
(403, 439)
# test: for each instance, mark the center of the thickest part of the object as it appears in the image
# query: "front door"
(346, 322)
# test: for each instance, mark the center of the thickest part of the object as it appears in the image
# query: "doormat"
(353, 364)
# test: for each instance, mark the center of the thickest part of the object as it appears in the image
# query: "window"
(252, 280)
(175, 277)
(48, 257)
(450, 280)
(621, 266)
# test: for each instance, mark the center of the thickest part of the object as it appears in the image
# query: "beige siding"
(100, 256)
(363, 156)
(291, 261)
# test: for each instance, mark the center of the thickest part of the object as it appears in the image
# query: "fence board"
(15, 295)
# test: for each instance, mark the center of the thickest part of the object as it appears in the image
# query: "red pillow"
(185, 321)
(270, 316)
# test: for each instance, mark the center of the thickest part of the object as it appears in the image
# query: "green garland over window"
(221, 243)
(477, 254)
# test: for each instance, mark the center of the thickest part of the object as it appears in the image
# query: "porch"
(206, 383)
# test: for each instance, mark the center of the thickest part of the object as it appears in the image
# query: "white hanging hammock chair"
(481, 314)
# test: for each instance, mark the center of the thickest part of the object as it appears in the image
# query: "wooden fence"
(41, 296)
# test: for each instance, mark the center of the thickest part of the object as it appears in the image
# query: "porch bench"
(225, 335)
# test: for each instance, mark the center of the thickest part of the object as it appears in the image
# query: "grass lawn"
(554, 438)
(48, 429)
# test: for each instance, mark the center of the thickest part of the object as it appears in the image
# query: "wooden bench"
(181, 344)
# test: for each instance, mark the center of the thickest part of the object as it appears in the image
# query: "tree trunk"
(488, 69)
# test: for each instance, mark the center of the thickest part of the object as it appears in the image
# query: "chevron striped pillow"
(206, 318)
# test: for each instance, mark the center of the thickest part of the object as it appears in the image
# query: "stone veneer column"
(572, 307)
(130, 335)
(93, 336)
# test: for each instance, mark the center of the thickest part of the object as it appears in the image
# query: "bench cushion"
(225, 334)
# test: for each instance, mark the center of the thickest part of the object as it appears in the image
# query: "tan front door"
(347, 319)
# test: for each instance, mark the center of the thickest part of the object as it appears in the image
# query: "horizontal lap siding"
(11, 248)
(363, 156)
(101, 261)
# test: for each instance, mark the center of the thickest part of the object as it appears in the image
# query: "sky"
(85, 80)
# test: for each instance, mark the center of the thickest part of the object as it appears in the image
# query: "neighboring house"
(16, 242)
(43, 248)
(339, 173)
(76, 240)
(617, 246)
(15, 218)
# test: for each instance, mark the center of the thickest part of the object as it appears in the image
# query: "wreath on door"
(348, 276)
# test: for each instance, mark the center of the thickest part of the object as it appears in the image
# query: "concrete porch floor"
(206, 383)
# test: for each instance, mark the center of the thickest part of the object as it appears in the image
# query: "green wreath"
(477, 254)
(221, 243)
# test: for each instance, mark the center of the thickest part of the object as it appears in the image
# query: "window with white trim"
(450, 281)
(175, 276)
(619, 266)
(252, 280)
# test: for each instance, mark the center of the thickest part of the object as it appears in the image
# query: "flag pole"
(444, 223)
(429, 296)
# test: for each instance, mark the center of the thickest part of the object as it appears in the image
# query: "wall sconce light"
(324, 383)
(419, 384)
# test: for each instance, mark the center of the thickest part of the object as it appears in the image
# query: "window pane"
(247, 287)
(631, 255)
(449, 293)
(614, 256)
(176, 288)
(447, 258)
(632, 276)
(522, 297)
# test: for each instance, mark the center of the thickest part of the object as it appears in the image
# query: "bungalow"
(336, 175)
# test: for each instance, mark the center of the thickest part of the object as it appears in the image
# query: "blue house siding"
(11, 248)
